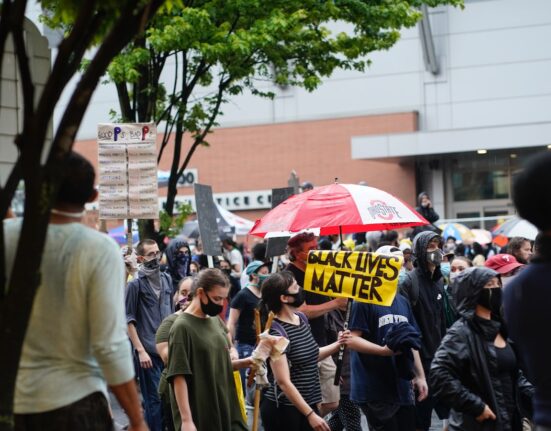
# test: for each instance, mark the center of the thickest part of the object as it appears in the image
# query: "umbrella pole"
(274, 264)
(336, 382)
(129, 236)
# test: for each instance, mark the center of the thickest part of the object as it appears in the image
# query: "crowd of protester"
(445, 346)
(441, 347)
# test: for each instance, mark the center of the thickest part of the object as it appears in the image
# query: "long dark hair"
(272, 289)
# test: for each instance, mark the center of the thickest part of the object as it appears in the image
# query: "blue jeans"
(244, 351)
(149, 382)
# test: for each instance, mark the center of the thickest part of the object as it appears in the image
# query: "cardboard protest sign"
(127, 156)
(361, 276)
(206, 216)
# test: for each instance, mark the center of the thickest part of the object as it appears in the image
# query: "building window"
(480, 185)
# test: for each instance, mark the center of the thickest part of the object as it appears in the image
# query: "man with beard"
(148, 302)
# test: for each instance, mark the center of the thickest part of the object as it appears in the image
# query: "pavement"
(121, 421)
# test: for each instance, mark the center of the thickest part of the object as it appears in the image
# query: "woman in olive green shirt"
(200, 371)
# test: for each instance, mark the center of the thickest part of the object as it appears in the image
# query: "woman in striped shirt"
(290, 403)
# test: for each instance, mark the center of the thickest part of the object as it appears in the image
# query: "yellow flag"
(361, 276)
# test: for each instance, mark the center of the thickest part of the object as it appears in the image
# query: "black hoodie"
(171, 253)
(425, 292)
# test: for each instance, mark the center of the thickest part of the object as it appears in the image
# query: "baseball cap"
(390, 249)
(254, 266)
(502, 263)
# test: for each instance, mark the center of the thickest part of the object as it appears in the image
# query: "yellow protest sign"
(361, 276)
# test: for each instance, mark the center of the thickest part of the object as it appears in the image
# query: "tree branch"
(124, 102)
(5, 29)
(199, 139)
(23, 65)
(120, 35)
(170, 123)
(70, 54)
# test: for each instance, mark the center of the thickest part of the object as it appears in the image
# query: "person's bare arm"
(313, 311)
(232, 321)
(280, 368)
(420, 381)
(128, 398)
(162, 350)
(357, 343)
(343, 338)
(145, 360)
(182, 399)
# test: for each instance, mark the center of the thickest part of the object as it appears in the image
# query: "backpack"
(278, 327)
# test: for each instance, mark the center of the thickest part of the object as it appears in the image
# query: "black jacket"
(425, 292)
(463, 374)
(429, 213)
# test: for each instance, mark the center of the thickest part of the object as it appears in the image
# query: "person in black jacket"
(424, 289)
(425, 208)
(527, 298)
(475, 370)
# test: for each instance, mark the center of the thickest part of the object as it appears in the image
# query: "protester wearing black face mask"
(178, 258)
(290, 403)
(202, 392)
(475, 370)
(424, 289)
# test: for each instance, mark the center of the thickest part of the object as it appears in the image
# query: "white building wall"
(494, 60)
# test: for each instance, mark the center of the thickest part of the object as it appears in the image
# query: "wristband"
(311, 411)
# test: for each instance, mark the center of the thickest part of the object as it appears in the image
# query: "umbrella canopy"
(228, 224)
(191, 230)
(517, 227)
(328, 209)
(459, 231)
(119, 234)
(481, 236)
(242, 225)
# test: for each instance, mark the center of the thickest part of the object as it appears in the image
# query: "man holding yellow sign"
(361, 276)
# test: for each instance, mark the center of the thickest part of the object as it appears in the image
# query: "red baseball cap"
(503, 263)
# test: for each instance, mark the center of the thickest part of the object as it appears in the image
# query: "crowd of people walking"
(462, 339)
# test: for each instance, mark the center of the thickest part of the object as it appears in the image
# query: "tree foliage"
(108, 26)
(222, 48)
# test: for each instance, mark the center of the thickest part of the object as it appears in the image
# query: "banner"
(127, 160)
(361, 276)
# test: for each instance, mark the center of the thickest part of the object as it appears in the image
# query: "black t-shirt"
(317, 325)
(507, 367)
(246, 302)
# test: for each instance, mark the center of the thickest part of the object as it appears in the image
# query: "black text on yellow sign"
(362, 276)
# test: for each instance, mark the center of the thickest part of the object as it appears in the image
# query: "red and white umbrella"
(329, 210)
